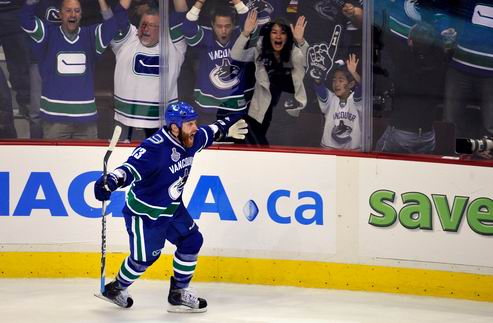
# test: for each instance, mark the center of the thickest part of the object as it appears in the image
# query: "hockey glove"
(225, 124)
(103, 189)
(238, 130)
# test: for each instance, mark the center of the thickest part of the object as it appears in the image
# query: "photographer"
(418, 90)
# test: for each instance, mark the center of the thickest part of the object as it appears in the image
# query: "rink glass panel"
(405, 95)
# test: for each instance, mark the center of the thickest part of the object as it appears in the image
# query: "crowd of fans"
(291, 68)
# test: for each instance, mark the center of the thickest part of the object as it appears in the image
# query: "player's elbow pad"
(125, 177)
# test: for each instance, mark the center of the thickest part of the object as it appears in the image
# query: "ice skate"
(182, 300)
(117, 295)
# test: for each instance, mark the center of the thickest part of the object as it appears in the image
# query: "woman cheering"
(280, 59)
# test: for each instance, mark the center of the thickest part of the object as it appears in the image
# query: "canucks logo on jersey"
(71, 63)
(225, 76)
(341, 133)
(328, 9)
(146, 64)
(176, 188)
(411, 7)
(483, 15)
(260, 6)
(264, 10)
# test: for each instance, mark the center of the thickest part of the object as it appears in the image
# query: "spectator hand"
(298, 30)
(352, 63)
(238, 130)
(250, 23)
(348, 10)
(449, 37)
(103, 189)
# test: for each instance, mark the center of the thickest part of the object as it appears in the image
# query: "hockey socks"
(130, 271)
(184, 268)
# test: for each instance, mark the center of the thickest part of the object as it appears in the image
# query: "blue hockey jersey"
(473, 21)
(67, 66)
(160, 166)
(222, 83)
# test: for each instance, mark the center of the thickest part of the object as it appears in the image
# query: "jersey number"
(138, 153)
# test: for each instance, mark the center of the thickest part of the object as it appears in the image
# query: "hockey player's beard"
(186, 139)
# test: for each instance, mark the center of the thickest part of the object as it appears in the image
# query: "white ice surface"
(72, 300)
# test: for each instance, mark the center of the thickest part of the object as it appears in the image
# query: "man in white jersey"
(137, 51)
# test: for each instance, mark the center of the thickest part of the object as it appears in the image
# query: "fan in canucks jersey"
(470, 76)
(222, 82)
(136, 78)
(154, 212)
(67, 55)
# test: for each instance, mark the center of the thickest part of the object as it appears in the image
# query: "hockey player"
(222, 84)
(137, 52)
(154, 212)
(67, 57)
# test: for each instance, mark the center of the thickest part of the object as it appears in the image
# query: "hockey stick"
(113, 142)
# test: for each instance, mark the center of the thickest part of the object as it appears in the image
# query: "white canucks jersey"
(342, 129)
(137, 78)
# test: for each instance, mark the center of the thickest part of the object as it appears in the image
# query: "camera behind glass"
(471, 146)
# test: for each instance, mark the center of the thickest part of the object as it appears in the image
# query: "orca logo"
(225, 76)
(341, 133)
(328, 9)
(175, 189)
(146, 65)
(411, 8)
(264, 9)
(71, 63)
